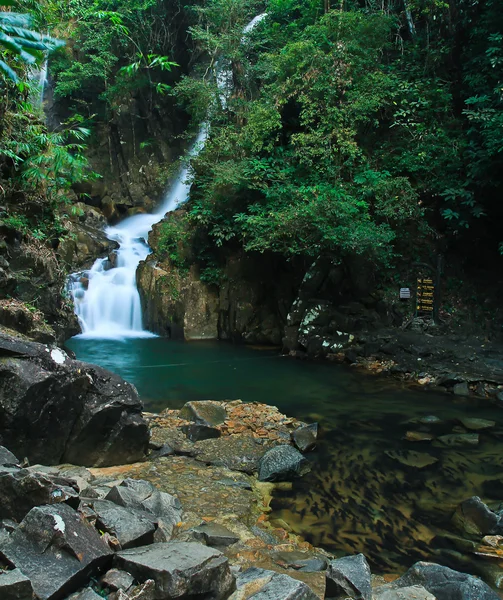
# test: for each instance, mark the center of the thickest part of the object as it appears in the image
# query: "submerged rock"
(477, 424)
(476, 518)
(57, 410)
(349, 576)
(56, 549)
(263, 584)
(410, 458)
(180, 570)
(282, 463)
(459, 439)
(445, 583)
(305, 438)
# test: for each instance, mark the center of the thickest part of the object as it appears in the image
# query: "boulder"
(130, 526)
(14, 585)
(115, 579)
(57, 410)
(182, 570)
(214, 534)
(476, 518)
(349, 577)
(262, 585)
(7, 458)
(197, 432)
(413, 592)
(21, 490)
(56, 549)
(445, 583)
(282, 463)
(236, 452)
(204, 412)
(305, 437)
(142, 495)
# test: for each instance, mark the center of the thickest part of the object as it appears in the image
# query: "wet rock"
(413, 592)
(459, 439)
(214, 534)
(199, 432)
(180, 570)
(410, 458)
(86, 594)
(301, 561)
(429, 420)
(236, 452)
(115, 579)
(476, 518)
(461, 389)
(130, 526)
(204, 412)
(418, 436)
(349, 576)
(282, 463)
(56, 540)
(14, 585)
(233, 483)
(57, 410)
(21, 490)
(477, 424)
(142, 495)
(305, 438)
(445, 583)
(262, 584)
(7, 458)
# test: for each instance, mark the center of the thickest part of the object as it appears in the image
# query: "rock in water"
(445, 583)
(476, 518)
(349, 576)
(14, 585)
(183, 570)
(305, 438)
(56, 549)
(282, 463)
(57, 410)
(262, 584)
(204, 412)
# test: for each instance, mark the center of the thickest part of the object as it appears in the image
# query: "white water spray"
(107, 301)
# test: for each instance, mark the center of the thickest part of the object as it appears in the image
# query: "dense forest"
(349, 128)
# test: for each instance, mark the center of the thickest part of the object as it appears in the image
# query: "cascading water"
(107, 301)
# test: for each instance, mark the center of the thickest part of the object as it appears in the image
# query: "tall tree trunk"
(410, 20)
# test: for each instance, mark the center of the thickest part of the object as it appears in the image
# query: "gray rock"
(475, 424)
(260, 584)
(476, 518)
(301, 561)
(236, 452)
(57, 410)
(6, 457)
(14, 585)
(204, 412)
(180, 570)
(115, 579)
(56, 549)
(233, 483)
(461, 389)
(349, 576)
(282, 463)
(130, 526)
(21, 490)
(414, 592)
(214, 534)
(198, 432)
(305, 438)
(86, 594)
(459, 439)
(142, 495)
(445, 583)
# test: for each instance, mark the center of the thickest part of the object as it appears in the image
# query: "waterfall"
(107, 301)
(39, 76)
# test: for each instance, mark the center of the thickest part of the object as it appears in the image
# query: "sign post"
(425, 297)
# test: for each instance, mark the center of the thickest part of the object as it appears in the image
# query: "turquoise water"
(366, 492)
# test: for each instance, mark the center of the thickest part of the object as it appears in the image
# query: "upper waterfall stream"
(107, 301)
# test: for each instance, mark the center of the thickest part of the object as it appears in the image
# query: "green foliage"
(20, 44)
(172, 237)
